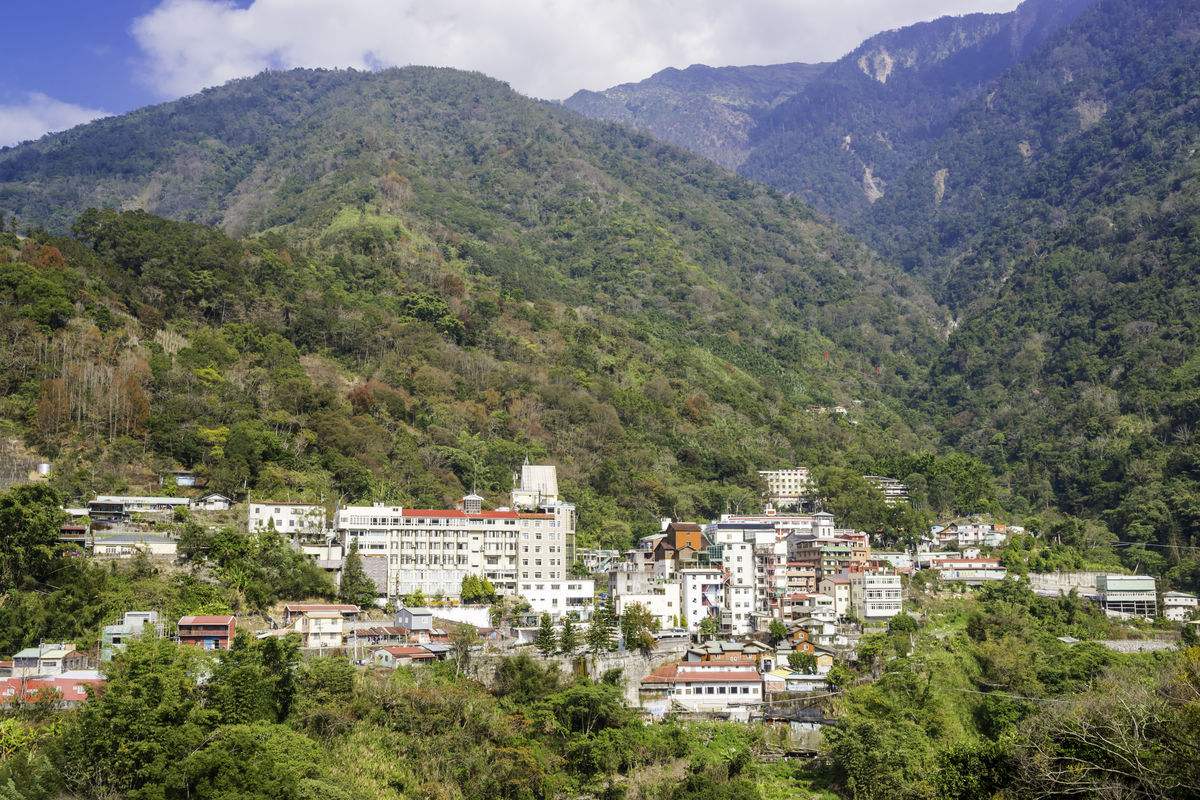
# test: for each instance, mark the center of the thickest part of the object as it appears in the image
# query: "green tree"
(777, 631)
(708, 627)
(545, 640)
(802, 661)
(462, 639)
(600, 634)
(637, 620)
(30, 517)
(356, 587)
(568, 637)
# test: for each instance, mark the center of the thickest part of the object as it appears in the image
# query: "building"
(702, 594)
(113, 638)
(48, 660)
(972, 571)
(120, 508)
(414, 619)
(970, 534)
(321, 628)
(876, 595)
(402, 656)
(69, 690)
(804, 605)
(683, 546)
(209, 632)
(285, 517)
(573, 597)
(596, 559)
(703, 685)
(1127, 595)
(786, 488)
(893, 490)
(535, 489)
(661, 598)
(1179, 606)
(838, 587)
(213, 501)
(431, 550)
(127, 544)
(293, 611)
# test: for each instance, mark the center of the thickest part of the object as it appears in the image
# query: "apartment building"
(286, 517)
(786, 488)
(573, 597)
(876, 595)
(702, 594)
(432, 550)
(1127, 595)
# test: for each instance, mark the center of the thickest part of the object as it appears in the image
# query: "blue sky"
(64, 62)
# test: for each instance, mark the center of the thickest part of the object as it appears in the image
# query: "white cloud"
(546, 48)
(38, 114)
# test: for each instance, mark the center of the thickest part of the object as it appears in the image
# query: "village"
(744, 617)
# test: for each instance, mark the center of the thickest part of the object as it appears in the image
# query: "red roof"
(302, 607)
(670, 673)
(73, 690)
(409, 652)
(205, 620)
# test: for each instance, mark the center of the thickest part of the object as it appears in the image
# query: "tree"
(579, 570)
(777, 631)
(414, 599)
(30, 517)
(357, 587)
(637, 620)
(802, 661)
(902, 623)
(600, 633)
(477, 590)
(708, 627)
(545, 640)
(462, 639)
(568, 637)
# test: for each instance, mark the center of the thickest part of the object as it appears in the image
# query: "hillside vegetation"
(420, 279)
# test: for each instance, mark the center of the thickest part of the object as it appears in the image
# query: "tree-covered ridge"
(448, 278)
(710, 111)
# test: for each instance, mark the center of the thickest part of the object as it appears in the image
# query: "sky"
(65, 62)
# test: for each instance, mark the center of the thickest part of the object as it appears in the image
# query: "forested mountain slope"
(436, 278)
(708, 110)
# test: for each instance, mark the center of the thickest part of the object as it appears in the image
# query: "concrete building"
(1179, 606)
(661, 598)
(702, 594)
(127, 544)
(572, 597)
(714, 686)
(120, 508)
(432, 550)
(213, 501)
(838, 587)
(876, 595)
(286, 517)
(787, 488)
(893, 490)
(535, 489)
(47, 660)
(113, 638)
(1127, 595)
(320, 628)
(972, 571)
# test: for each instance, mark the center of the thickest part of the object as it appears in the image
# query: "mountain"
(420, 277)
(708, 110)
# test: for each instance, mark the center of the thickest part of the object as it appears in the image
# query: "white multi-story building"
(787, 487)
(973, 571)
(703, 686)
(838, 587)
(432, 550)
(893, 490)
(1179, 606)
(573, 597)
(286, 517)
(660, 598)
(702, 594)
(876, 595)
(535, 489)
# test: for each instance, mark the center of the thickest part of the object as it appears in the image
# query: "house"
(182, 477)
(212, 501)
(74, 533)
(70, 691)
(805, 604)
(838, 587)
(415, 619)
(210, 632)
(714, 686)
(681, 547)
(47, 660)
(113, 638)
(875, 595)
(402, 655)
(573, 597)
(702, 594)
(1179, 606)
(661, 598)
(320, 629)
(368, 634)
(292, 611)
(1127, 595)
(127, 544)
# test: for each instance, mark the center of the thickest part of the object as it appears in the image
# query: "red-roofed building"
(703, 685)
(209, 632)
(402, 655)
(291, 611)
(70, 691)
